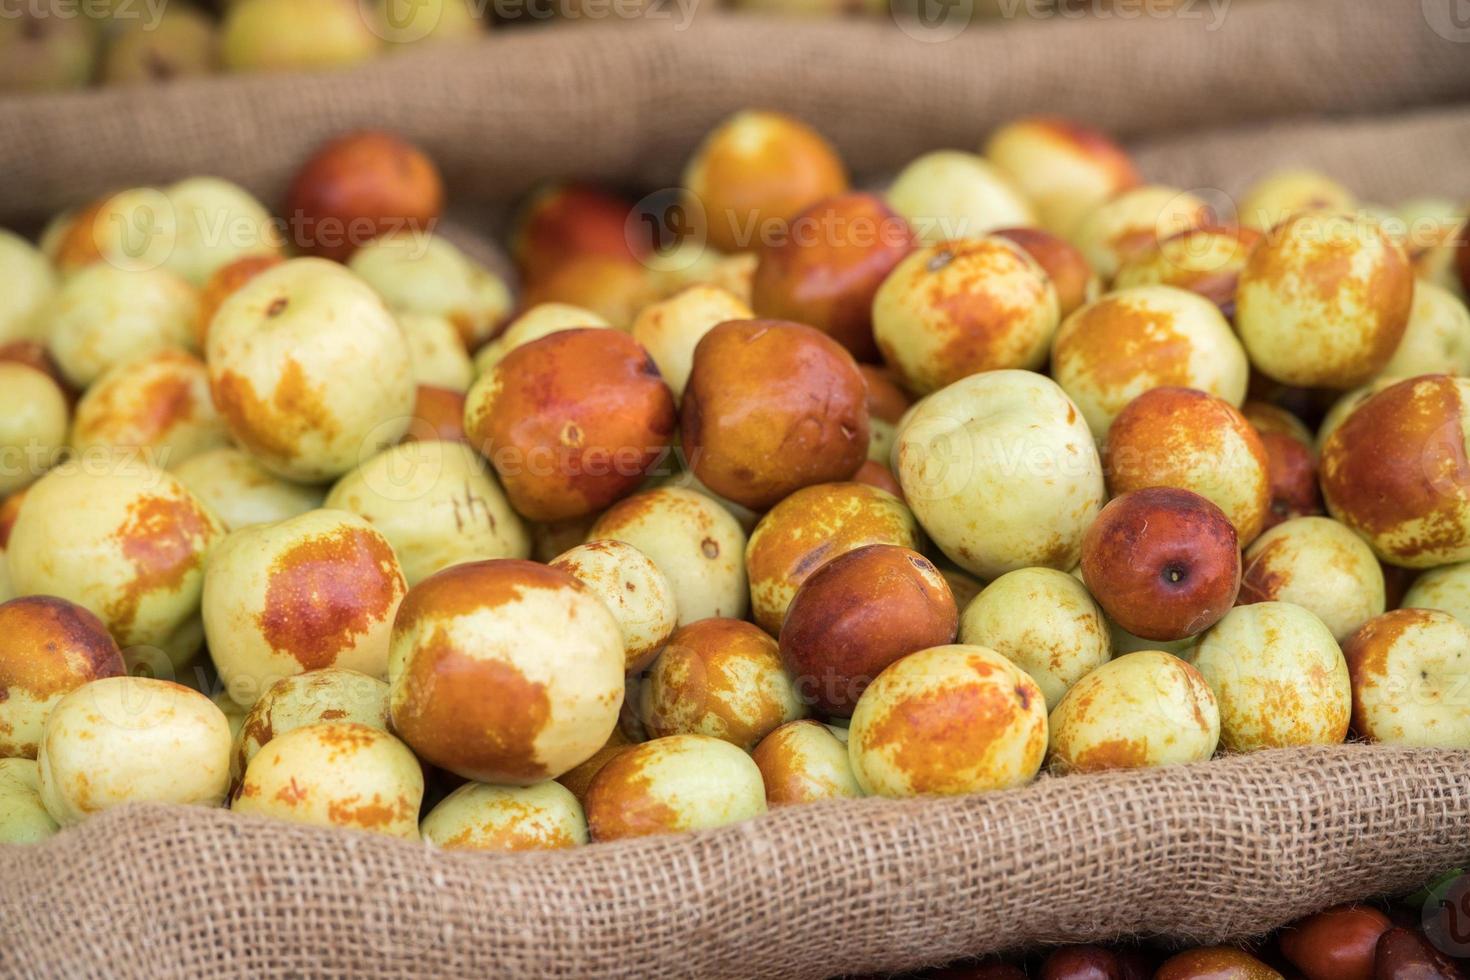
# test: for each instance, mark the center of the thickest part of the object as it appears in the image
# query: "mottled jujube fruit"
(772, 407)
(825, 271)
(859, 613)
(571, 422)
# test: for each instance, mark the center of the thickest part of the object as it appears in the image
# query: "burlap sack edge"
(1212, 852)
(626, 102)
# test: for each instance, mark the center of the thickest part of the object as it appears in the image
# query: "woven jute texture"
(1366, 90)
(1208, 852)
(1367, 84)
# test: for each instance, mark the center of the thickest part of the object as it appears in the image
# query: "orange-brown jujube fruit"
(438, 413)
(51, 647)
(1070, 272)
(1338, 944)
(772, 407)
(566, 221)
(1396, 471)
(1293, 475)
(571, 421)
(1180, 437)
(827, 267)
(357, 187)
(1163, 563)
(859, 613)
(224, 282)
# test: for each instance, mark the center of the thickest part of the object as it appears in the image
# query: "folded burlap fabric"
(1211, 852)
(1369, 89)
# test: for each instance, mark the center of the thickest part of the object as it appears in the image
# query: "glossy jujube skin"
(1409, 670)
(1274, 198)
(159, 403)
(419, 273)
(336, 774)
(438, 413)
(129, 545)
(1324, 301)
(1043, 621)
(132, 740)
(33, 424)
(961, 307)
(1338, 944)
(536, 322)
(772, 407)
(678, 783)
(857, 614)
(813, 526)
(241, 492)
(887, 403)
(358, 186)
(952, 194)
(23, 817)
(1437, 338)
(695, 542)
(1180, 437)
(315, 697)
(564, 221)
(1063, 263)
(579, 778)
(1067, 169)
(1291, 468)
(1002, 472)
(1163, 563)
(758, 167)
(1215, 963)
(672, 328)
(222, 284)
(615, 289)
(1402, 952)
(309, 370)
(438, 351)
(200, 207)
(638, 595)
(1135, 222)
(48, 648)
(477, 817)
(1206, 260)
(1114, 349)
(1446, 588)
(505, 671)
(436, 504)
(318, 590)
(1278, 677)
(571, 422)
(1396, 472)
(719, 677)
(1320, 565)
(804, 762)
(104, 314)
(825, 271)
(947, 721)
(1147, 708)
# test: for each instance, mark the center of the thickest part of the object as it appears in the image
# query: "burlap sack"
(1369, 91)
(1209, 852)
